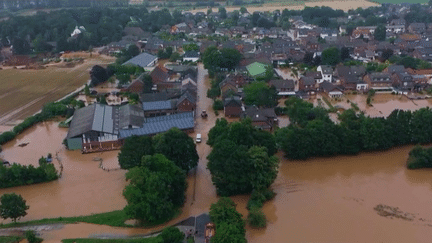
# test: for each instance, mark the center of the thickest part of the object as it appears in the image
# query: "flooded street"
(318, 200)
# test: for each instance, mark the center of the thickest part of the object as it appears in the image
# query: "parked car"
(198, 138)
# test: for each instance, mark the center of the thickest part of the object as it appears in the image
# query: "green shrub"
(6, 137)
(172, 235)
(218, 105)
(256, 218)
(31, 237)
(258, 197)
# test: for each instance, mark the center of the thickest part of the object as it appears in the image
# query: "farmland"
(24, 92)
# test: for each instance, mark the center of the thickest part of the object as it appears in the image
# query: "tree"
(133, 150)
(380, 33)
(13, 206)
(222, 13)
(20, 46)
(148, 83)
(178, 147)
(156, 189)
(345, 54)
(230, 226)
(227, 58)
(172, 235)
(260, 94)
(256, 218)
(330, 56)
(98, 75)
(386, 54)
(243, 10)
(235, 169)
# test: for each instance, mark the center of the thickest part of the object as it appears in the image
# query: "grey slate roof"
(155, 125)
(142, 60)
(82, 121)
(131, 115)
(157, 105)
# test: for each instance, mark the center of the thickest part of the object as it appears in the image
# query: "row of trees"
(242, 161)
(175, 144)
(312, 133)
(102, 26)
(61, 108)
(18, 175)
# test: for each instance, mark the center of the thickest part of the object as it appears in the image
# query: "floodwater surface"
(83, 189)
(318, 200)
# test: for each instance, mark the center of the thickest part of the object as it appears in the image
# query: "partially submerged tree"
(13, 206)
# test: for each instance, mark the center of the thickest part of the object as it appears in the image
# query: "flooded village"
(370, 196)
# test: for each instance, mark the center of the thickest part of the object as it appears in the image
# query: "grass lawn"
(29, 90)
(114, 218)
(10, 239)
(141, 240)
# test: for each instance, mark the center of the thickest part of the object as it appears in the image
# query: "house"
(136, 86)
(403, 81)
(351, 78)
(325, 33)
(256, 69)
(395, 69)
(159, 108)
(192, 56)
(307, 85)
(326, 73)
(283, 87)
(379, 81)
(159, 75)
(96, 127)
(316, 76)
(331, 90)
(423, 53)
(186, 102)
(228, 87)
(365, 31)
(232, 106)
(143, 60)
(264, 119)
(417, 28)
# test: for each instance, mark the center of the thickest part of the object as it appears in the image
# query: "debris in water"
(388, 211)
(23, 144)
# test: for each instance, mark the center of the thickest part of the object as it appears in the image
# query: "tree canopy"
(380, 33)
(331, 56)
(230, 226)
(156, 189)
(177, 146)
(260, 94)
(133, 150)
(12, 206)
(215, 59)
(239, 161)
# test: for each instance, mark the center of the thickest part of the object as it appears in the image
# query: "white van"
(198, 138)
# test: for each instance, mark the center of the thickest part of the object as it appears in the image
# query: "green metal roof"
(256, 68)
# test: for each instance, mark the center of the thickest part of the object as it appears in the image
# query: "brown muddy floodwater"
(318, 200)
(83, 189)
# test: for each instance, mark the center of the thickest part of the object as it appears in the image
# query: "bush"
(256, 218)
(6, 137)
(18, 175)
(218, 105)
(31, 237)
(259, 197)
(172, 235)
